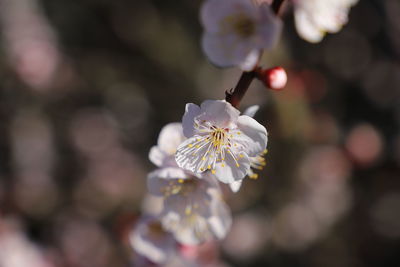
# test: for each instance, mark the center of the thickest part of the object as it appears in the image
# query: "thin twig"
(276, 6)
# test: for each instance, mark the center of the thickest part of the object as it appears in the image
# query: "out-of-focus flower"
(193, 208)
(30, 42)
(151, 241)
(236, 31)
(219, 140)
(170, 137)
(16, 250)
(315, 18)
(152, 205)
(364, 144)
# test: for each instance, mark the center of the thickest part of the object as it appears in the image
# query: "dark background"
(85, 87)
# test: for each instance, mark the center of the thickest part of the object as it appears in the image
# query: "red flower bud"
(274, 78)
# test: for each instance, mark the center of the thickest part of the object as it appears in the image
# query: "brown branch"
(235, 95)
(240, 90)
(276, 6)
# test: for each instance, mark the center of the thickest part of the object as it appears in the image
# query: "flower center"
(179, 186)
(219, 138)
(212, 145)
(244, 26)
(239, 24)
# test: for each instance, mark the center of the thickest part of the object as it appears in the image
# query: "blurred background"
(86, 86)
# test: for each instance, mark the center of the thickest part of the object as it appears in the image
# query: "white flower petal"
(170, 137)
(191, 111)
(250, 62)
(269, 28)
(154, 244)
(221, 222)
(251, 111)
(161, 158)
(314, 18)
(235, 186)
(157, 156)
(187, 158)
(152, 205)
(218, 112)
(254, 138)
(221, 49)
(306, 28)
(233, 169)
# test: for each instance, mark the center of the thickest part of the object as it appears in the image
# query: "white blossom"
(219, 140)
(150, 240)
(235, 32)
(193, 209)
(315, 18)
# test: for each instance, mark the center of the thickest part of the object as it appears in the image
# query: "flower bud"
(274, 78)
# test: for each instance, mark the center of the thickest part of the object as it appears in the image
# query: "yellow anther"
(201, 169)
(180, 181)
(188, 210)
(213, 171)
(241, 155)
(209, 167)
(237, 165)
(203, 158)
(222, 165)
(176, 190)
(197, 146)
(253, 176)
(190, 145)
(265, 151)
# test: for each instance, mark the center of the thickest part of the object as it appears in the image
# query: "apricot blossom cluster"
(215, 144)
